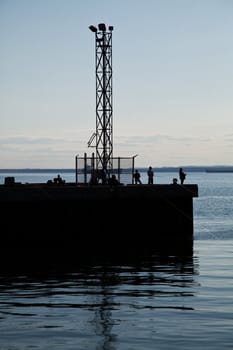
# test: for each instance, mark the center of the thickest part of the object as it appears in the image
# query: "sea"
(162, 303)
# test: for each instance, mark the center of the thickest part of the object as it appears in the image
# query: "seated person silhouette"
(58, 180)
(112, 181)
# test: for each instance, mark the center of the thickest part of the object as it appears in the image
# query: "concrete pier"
(71, 223)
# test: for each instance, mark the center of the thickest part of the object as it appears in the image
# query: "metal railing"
(87, 171)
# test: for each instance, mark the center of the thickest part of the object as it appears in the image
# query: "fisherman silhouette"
(182, 175)
(137, 176)
(150, 174)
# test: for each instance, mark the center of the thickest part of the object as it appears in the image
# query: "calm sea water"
(160, 303)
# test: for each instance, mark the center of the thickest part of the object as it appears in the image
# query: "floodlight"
(93, 28)
(110, 28)
(102, 27)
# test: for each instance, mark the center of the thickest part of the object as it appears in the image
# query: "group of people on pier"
(150, 175)
(113, 181)
(56, 181)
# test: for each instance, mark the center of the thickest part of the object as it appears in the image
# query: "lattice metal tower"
(104, 112)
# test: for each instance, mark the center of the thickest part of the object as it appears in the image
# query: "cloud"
(151, 139)
(228, 138)
(23, 140)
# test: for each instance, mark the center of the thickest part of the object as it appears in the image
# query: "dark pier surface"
(68, 223)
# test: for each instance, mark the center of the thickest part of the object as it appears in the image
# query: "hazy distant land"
(189, 168)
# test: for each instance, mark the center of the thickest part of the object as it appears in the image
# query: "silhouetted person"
(150, 174)
(94, 178)
(58, 180)
(137, 177)
(103, 176)
(182, 175)
(174, 181)
(112, 181)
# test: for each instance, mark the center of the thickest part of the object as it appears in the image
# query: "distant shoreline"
(219, 171)
(208, 169)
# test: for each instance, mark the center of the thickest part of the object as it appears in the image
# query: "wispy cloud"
(136, 139)
(23, 140)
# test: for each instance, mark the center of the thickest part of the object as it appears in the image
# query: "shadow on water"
(61, 256)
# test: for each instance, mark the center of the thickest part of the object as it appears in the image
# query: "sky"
(172, 81)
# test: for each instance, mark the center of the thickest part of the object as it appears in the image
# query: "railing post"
(76, 169)
(85, 168)
(119, 169)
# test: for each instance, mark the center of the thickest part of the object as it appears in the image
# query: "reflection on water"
(93, 307)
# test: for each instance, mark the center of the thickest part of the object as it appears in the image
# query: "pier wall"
(81, 222)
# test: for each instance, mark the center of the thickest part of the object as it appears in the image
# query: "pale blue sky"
(172, 81)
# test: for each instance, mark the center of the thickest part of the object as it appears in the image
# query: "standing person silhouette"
(150, 174)
(182, 175)
(137, 176)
